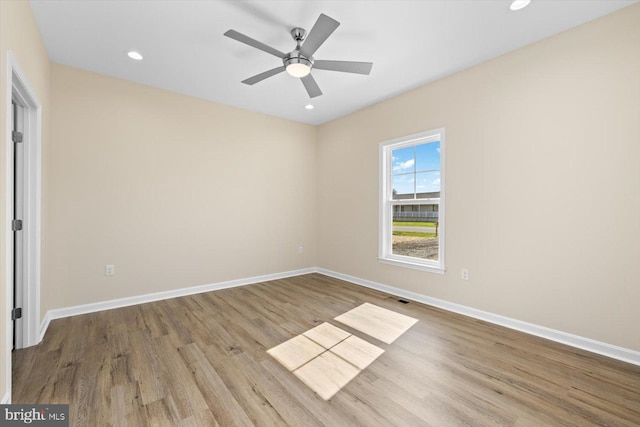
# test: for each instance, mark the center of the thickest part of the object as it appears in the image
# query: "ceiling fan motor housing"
(295, 57)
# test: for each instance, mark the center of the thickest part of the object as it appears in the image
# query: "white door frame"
(19, 89)
(18, 237)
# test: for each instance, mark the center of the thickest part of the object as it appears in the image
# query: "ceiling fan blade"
(260, 77)
(344, 66)
(311, 86)
(320, 32)
(233, 34)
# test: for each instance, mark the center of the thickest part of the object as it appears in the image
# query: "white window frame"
(385, 254)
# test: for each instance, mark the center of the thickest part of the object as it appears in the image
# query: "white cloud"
(438, 149)
(404, 165)
(436, 182)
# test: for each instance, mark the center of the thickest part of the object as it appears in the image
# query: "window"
(412, 201)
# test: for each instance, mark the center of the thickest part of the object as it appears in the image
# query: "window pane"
(403, 160)
(416, 172)
(415, 233)
(403, 186)
(428, 185)
(428, 156)
(421, 213)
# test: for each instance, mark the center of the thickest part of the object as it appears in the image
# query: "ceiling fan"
(300, 61)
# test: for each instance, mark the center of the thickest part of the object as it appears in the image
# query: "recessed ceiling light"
(309, 107)
(519, 4)
(134, 55)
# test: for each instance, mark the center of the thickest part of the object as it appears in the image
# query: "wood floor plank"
(127, 410)
(202, 360)
(147, 368)
(184, 391)
(162, 413)
(326, 414)
(220, 400)
(282, 400)
(203, 418)
(233, 370)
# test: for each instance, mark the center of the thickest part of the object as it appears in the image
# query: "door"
(17, 224)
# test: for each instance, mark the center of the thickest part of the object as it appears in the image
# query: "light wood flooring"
(202, 360)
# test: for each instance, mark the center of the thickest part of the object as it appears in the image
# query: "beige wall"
(543, 183)
(172, 190)
(20, 35)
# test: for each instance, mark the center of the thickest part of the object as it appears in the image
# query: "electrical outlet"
(464, 273)
(109, 270)
(300, 249)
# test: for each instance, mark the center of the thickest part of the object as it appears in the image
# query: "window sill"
(414, 265)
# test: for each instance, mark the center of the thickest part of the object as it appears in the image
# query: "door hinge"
(16, 136)
(16, 313)
(16, 224)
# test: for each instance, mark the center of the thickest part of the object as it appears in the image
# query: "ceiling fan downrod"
(295, 57)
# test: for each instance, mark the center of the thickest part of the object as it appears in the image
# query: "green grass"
(414, 224)
(414, 234)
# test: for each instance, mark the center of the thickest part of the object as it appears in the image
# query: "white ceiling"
(410, 43)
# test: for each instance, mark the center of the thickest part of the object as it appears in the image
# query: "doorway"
(22, 172)
(17, 221)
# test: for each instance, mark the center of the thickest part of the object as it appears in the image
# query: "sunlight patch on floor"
(326, 357)
(380, 323)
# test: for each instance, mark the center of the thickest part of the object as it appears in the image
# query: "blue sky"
(417, 166)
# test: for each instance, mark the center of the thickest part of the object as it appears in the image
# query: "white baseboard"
(6, 399)
(615, 352)
(157, 296)
(44, 325)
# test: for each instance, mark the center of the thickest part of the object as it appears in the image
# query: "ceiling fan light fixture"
(298, 67)
(298, 70)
